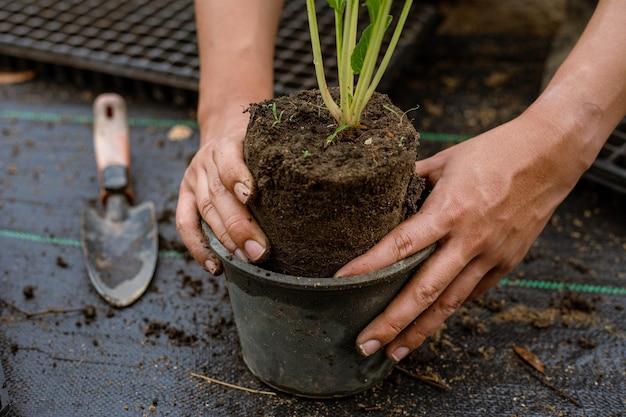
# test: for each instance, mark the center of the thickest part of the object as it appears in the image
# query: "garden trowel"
(120, 241)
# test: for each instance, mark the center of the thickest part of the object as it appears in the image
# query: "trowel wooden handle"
(112, 145)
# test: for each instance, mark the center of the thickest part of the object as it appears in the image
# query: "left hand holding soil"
(214, 187)
(234, 73)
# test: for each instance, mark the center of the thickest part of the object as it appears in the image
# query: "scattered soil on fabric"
(572, 309)
(29, 292)
(155, 328)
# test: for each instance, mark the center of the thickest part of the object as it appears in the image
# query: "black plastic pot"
(298, 334)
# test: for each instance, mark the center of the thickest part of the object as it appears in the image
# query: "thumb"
(409, 237)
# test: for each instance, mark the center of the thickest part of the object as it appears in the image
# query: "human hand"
(491, 197)
(215, 186)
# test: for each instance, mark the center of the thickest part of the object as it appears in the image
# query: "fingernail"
(210, 266)
(240, 255)
(254, 250)
(400, 353)
(242, 192)
(369, 347)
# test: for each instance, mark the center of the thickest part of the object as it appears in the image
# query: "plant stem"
(318, 62)
(386, 58)
(369, 65)
(339, 35)
(353, 100)
(346, 76)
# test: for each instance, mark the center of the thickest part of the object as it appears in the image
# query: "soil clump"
(323, 194)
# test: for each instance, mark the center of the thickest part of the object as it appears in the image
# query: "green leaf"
(330, 138)
(373, 9)
(373, 6)
(360, 50)
(338, 5)
(358, 54)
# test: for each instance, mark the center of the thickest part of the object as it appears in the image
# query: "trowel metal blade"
(121, 255)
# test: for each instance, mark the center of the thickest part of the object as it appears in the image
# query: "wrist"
(573, 129)
(220, 118)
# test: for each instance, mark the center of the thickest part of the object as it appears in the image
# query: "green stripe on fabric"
(40, 239)
(171, 254)
(83, 119)
(551, 285)
(443, 137)
(68, 242)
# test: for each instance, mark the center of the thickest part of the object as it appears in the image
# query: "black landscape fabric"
(79, 357)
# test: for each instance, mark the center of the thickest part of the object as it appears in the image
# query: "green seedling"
(306, 154)
(319, 108)
(358, 73)
(332, 137)
(398, 115)
(278, 117)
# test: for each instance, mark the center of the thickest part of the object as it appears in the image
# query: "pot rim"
(292, 281)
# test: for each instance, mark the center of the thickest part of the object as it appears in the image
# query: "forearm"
(586, 98)
(236, 41)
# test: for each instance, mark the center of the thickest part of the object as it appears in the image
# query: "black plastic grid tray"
(609, 167)
(156, 41)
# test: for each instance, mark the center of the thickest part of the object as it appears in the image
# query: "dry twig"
(87, 310)
(530, 358)
(226, 384)
(431, 380)
(539, 375)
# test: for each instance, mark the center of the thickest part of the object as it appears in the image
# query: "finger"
(213, 219)
(237, 224)
(187, 224)
(430, 169)
(424, 228)
(233, 172)
(431, 319)
(430, 281)
(418, 232)
(489, 281)
(209, 214)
